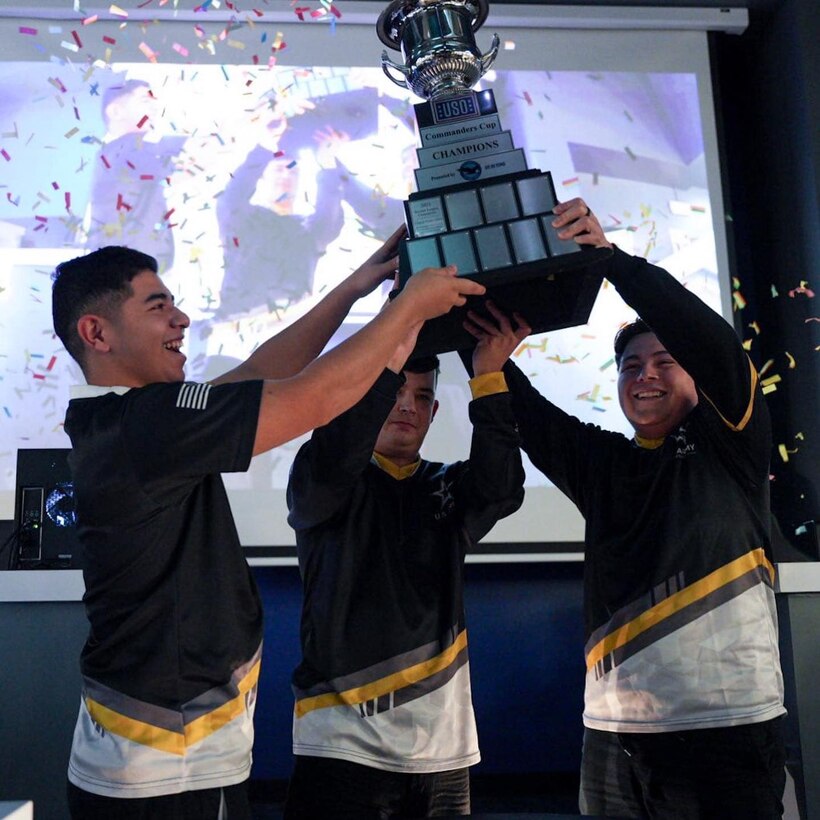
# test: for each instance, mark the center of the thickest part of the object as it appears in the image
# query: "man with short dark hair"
(172, 660)
(684, 693)
(383, 722)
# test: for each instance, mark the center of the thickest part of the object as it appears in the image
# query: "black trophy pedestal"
(550, 294)
(498, 231)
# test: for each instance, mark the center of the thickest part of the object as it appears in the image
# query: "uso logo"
(470, 170)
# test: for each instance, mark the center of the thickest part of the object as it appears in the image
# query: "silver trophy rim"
(390, 21)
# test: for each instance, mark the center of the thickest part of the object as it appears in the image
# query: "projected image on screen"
(259, 190)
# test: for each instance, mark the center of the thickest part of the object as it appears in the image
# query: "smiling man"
(684, 694)
(383, 724)
(170, 667)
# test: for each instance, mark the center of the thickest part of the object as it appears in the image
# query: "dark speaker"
(45, 512)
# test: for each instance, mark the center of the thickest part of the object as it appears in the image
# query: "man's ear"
(93, 332)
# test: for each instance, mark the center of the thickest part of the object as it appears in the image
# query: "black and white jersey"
(384, 679)
(680, 616)
(172, 659)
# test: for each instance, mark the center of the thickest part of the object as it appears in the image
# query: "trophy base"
(550, 294)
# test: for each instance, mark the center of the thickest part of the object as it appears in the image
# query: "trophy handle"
(387, 64)
(489, 58)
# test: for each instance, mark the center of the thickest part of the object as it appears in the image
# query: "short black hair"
(626, 334)
(424, 364)
(97, 282)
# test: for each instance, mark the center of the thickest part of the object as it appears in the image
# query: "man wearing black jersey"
(172, 660)
(684, 693)
(383, 721)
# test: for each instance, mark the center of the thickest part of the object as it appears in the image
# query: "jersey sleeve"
(492, 487)
(327, 467)
(176, 433)
(557, 443)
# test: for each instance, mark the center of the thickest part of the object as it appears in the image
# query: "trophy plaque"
(478, 205)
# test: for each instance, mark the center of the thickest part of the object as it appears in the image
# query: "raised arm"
(287, 353)
(699, 339)
(338, 379)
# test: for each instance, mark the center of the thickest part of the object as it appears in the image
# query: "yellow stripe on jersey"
(168, 740)
(383, 686)
(749, 407)
(680, 600)
(212, 721)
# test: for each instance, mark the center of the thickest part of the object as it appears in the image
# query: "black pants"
(733, 773)
(227, 803)
(323, 788)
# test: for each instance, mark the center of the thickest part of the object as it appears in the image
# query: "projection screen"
(261, 157)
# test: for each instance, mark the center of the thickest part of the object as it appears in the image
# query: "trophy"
(477, 206)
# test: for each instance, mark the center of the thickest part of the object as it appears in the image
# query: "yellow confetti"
(771, 380)
(769, 388)
(765, 367)
(792, 362)
(118, 11)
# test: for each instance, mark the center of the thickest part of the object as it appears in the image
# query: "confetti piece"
(528, 98)
(570, 181)
(606, 364)
(117, 11)
(755, 327)
(180, 49)
(803, 288)
(77, 39)
(629, 152)
(89, 20)
(737, 298)
(149, 53)
(142, 122)
(792, 362)
(71, 133)
(5, 155)
(771, 380)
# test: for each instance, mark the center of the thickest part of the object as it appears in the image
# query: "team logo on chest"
(683, 448)
(445, 495)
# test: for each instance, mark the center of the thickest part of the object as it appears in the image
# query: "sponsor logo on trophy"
(478, 205)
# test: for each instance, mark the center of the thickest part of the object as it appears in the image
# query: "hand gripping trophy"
(478, 206)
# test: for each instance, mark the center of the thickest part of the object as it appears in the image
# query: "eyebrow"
(636, 357)
(158, 297)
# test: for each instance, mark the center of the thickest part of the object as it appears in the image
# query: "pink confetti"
(27, 30)
(142, 121)
(5, 155)
(76, 39)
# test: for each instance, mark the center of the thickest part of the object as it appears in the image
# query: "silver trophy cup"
(437, 40)
(478, 205)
